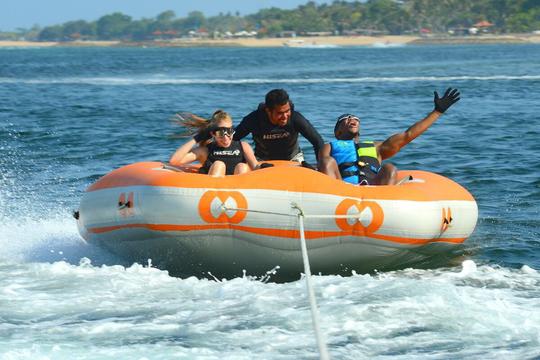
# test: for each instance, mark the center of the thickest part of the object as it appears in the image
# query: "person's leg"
(217, 169)
(328, 165)
(241, 168)
(387, 175)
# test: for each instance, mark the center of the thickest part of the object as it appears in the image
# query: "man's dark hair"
(276, 97)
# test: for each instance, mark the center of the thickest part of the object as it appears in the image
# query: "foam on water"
(50, 238)
(60, 310)
(158, 80)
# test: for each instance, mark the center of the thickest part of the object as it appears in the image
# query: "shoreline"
(307, 42)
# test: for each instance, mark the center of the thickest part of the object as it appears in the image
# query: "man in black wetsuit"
(275, 126)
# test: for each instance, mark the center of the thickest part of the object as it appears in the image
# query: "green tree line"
(340, 17)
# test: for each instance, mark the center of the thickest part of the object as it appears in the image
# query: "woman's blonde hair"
(220, 115)
(196, 124)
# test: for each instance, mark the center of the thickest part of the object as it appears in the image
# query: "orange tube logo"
(352, 206)
(446, 219)
(126, 204)
(210, 207)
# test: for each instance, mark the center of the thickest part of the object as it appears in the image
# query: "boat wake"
(51, 239)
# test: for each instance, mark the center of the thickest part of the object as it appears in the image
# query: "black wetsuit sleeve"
(244, 128)
(307, 130)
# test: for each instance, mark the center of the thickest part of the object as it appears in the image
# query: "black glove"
(204, 134)
(450, 97)
(265, 165)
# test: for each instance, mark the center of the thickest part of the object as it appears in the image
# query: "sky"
(27, 13)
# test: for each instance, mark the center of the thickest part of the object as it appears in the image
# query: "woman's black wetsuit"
(231, 156)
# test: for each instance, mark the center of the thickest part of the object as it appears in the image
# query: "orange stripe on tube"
(281, 233)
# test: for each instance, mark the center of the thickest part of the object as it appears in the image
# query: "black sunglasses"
(224, 131)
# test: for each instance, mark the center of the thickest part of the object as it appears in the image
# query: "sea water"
(70, 115)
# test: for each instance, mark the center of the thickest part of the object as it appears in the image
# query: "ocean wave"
(49, 238)
(479, 312)
(128, 81)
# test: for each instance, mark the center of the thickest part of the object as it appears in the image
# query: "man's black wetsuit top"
(273, 142)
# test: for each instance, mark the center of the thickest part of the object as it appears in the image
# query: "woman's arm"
(251, 160)
(185, 154)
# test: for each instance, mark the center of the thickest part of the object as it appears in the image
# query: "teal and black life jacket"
(358, 162)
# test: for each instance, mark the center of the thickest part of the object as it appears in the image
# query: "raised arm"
(394, 143)
(186, 154)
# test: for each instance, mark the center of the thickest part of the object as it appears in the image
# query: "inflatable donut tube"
(194, 224)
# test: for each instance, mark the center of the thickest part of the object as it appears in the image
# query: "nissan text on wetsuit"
(275, 126)
(231, 156)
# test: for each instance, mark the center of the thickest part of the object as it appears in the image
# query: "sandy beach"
(323, 41)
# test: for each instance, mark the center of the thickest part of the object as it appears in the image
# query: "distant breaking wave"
(125, 81)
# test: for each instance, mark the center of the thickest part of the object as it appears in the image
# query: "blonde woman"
(214, 147)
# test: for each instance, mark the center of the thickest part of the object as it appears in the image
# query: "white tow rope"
(323, 350)
(321, 343)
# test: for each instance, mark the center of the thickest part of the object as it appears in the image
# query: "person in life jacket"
(359, 161)
(218, 153)
(275, 126)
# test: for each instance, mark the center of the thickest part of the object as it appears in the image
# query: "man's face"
(349, 127)
(279, 114)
